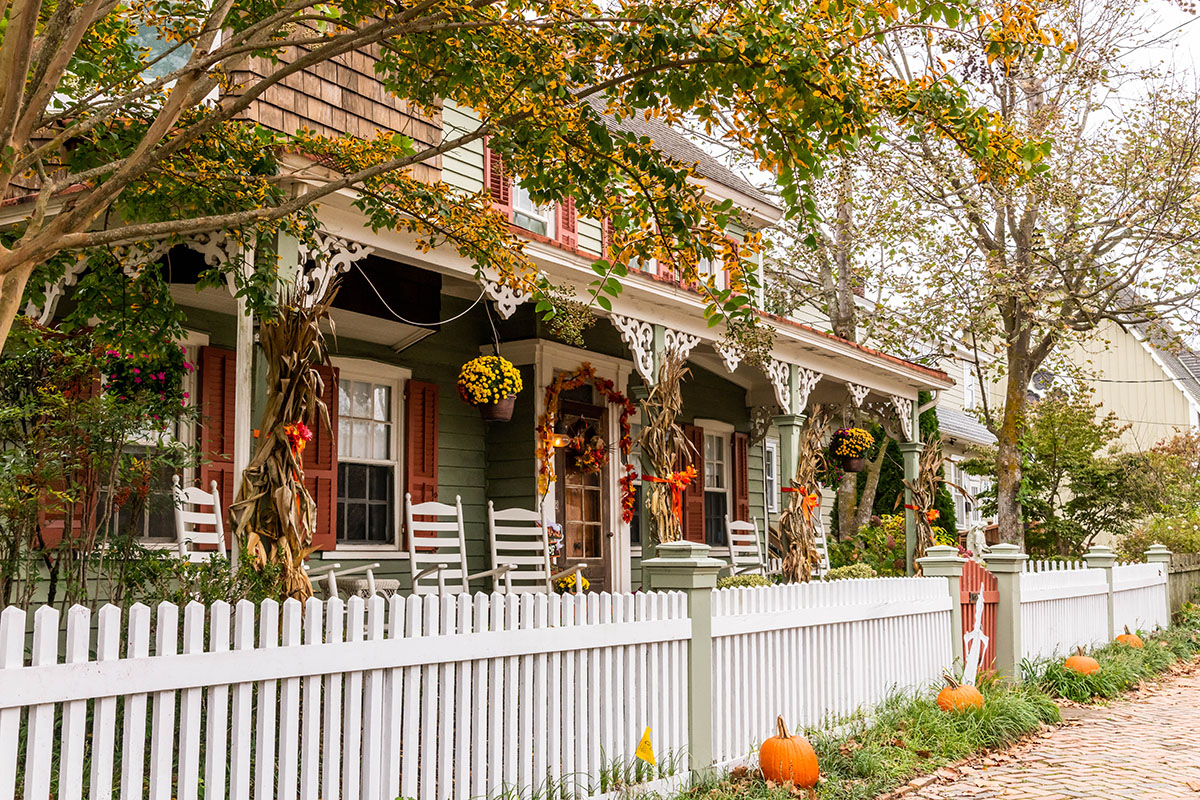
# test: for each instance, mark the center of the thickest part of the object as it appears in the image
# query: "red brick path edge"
(1145, 745)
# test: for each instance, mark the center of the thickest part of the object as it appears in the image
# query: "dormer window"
(557, 222)
(531, 216)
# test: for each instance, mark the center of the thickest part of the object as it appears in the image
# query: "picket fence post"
(1102, 557)
(686, 567)
(1159, 554)
(943, 561)
(1007, 562)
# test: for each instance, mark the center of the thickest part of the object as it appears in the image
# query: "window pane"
(380, 483)
(715, 507)
(383, 403)
(361, 395)
(343, 436)
(355, 484)
(356, 523)
(344, 398)
(358, 444)
(380, 434)
(378, 523)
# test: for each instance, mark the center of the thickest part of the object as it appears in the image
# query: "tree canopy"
(114, 113)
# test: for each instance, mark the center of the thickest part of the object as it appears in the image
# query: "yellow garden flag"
(645, 751)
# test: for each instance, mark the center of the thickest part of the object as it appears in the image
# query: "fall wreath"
(567, 381)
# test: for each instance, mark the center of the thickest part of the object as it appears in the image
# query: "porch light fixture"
(559, 440)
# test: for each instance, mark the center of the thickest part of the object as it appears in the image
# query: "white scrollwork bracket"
(808, 381)
(858, 393)
(777, 372)
(504, 296)
(729, 355)
(679, 345)
(321, 260)
(904, 407)
(639, 338)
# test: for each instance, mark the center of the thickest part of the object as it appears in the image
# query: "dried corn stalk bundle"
(275, 516)
(924, 495)
(664, 445)
(797, 522)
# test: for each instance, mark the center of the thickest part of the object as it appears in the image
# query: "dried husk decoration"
(798, 525)
(664, 445)
(275, 516)
(924, 495)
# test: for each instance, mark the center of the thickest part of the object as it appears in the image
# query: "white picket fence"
(420, 697)
(816, 651)
(1046, 565)
(1062, 610)
(1139, 597)
(435, 698)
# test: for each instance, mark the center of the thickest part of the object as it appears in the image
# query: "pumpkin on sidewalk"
(1131, 639)
(958, 696)
(1084, 665)
(789, 759)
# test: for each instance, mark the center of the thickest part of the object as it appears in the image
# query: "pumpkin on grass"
(1084, 665)
(1131, 639)
(957, 696)
(786, 758)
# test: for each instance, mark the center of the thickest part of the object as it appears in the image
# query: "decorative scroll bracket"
(639, 338)
(330, 255)
(808, 381)
(904, 407)
(858, 393)
(777, 372)
(679, 345)
(729, 355)
(504, 296)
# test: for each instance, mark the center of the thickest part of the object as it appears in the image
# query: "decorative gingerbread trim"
(777, 373)
(639, 338)
(505, 297)
(679, 345)
(858, 393)
(729, 355)
(904, 407)
(328, 256)
(808, 381)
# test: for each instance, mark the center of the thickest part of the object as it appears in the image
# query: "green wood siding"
(511, 466)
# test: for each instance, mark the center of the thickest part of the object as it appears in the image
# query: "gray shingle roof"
(956, 424)
(676, 144)
(1181, 362)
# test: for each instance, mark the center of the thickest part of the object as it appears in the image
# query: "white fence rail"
(1139, 596)
(1053, 566)
(1062, 610)
(421, 697)
(820, 650)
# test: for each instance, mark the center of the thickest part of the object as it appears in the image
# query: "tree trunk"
(1008, 451)
(12, 289)
(866, 503)
(847, 506)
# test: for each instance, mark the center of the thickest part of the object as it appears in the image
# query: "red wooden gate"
(975, 579)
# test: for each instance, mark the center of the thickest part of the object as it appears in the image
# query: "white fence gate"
(820, 650)
(1139, 596)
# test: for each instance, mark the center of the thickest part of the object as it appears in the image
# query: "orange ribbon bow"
(809, 503)
(678, 481)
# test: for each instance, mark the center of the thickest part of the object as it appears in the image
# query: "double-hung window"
(771, 474)
(716, 487)
(531, 216)
(368, 459)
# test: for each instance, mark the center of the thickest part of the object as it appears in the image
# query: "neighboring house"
(407, 319)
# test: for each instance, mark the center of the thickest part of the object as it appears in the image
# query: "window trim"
(377, 372)
(771, 456)
(724, 431)
(550, 211)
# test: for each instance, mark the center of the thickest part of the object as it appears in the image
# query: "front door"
(583, 494)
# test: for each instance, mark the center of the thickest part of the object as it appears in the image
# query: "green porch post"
(790, 423)
(912, 455)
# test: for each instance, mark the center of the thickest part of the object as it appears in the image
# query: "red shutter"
(693, 496)
(606, 238)
(741, 477)
(321, 465)
(421, 440)
(567, 233)
(217, 385)
(730, 260)
(498, 181)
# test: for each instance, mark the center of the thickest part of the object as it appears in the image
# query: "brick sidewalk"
(1145, 747)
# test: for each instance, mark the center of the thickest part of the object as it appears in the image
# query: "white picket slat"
(188, 778)
(104, 709)
(74, 718)
(289, 706)
(216, 751)
(39, 751)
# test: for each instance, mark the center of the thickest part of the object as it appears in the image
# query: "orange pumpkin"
(785, 758)
(1084, 665)
(958, 697)
(1131, 639)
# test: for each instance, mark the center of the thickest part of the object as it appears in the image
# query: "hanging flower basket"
(491, 384)
(851, 446)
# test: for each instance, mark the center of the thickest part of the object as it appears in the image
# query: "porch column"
(912, 462)
(243, 391)
(790, 426)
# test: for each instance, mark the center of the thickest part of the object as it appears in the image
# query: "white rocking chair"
(437, 550)
(190, 515)
(745, 549)
(520, 542)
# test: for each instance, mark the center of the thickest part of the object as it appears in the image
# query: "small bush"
(1180, 533)
(851, 571)
(739, 581)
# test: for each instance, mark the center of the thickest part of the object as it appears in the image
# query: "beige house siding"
(1131, 383)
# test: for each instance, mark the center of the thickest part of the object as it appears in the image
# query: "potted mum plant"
(491, 384)
(851, 446)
